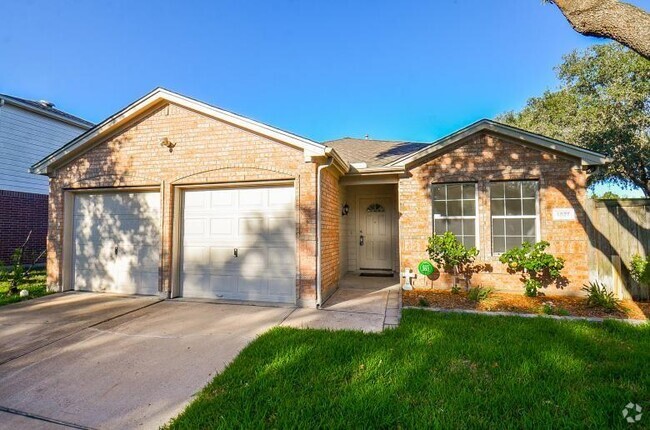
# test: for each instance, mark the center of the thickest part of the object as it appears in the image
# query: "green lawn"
(435, 370)
(35, 285)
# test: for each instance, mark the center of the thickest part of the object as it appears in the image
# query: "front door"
(375, 233)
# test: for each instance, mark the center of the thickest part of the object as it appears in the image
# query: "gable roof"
(587, 157)
(374, 153)
(157, 97)
(46, 110)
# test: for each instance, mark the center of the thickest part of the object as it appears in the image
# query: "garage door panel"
(282, 287)
(195, 227)
(196, 257)
(128, 221)
(260, 223)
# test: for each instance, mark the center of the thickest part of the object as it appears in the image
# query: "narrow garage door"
(117, 242)
(239, 244)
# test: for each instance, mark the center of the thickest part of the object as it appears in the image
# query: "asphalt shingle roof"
(53, 110)
(375, 153)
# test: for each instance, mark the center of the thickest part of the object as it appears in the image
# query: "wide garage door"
(117, 242)
(239, 244)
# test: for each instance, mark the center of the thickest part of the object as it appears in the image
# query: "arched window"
(375, 207)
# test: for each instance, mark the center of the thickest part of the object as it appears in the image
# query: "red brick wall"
(484, 158)
(20, 213)
(207, 151)
(330, 233)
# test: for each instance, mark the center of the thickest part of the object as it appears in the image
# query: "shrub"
(640, 269)
(537, 267)
(423, 302)
(549, 308)
(451, 255)
(17, 272)
(478, 294)
(599, 296)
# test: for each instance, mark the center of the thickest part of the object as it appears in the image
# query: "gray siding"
(25, 138)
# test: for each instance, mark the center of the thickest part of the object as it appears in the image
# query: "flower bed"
(506, 302)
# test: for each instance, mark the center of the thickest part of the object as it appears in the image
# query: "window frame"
(477, 235)
(536, 217)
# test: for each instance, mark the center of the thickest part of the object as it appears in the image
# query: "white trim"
(477, 233)
(536, 217)
(154, 98)
(586, 156)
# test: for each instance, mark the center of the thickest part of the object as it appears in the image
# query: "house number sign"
(564, 214)
(426, 268)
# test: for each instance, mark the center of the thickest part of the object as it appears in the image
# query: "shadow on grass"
(435, 370)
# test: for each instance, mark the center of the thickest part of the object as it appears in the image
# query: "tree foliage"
(603, 104)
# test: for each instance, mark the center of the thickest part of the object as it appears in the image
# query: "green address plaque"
(426, 268)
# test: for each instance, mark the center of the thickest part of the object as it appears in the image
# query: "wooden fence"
(618, 229)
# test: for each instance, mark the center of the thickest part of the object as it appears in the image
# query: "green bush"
(537, 267)
(640, 269)
(423, 302)
(478, 294)
(448, 253)
(600, 297)
(549, 308)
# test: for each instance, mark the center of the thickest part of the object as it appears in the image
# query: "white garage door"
(240, 244)
(117, 242)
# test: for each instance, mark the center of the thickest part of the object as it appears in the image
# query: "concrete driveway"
(84, 360)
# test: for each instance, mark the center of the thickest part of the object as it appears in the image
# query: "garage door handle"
(235, 252)
(115, 249)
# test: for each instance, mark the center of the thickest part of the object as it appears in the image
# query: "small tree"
(537, 268)
(451, 255)
(18, 271)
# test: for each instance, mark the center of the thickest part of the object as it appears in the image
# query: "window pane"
(498, 245)
(454, 208)
(468, 226)
(513, 207)
(469, 191)
(438, 192)
(455, 226)
(528, 189)
(498, 207)
(439, 207)
(496, 190)
(529, 227)
(529, 239)
(498, 227)
(469, 241)
(469, 207)
(454, 192)
(513, 190)
(513, 227)
(439, 226)
(528, 207)
(512, 242)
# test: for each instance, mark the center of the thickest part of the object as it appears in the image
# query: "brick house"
(175, 197)
(29, 130)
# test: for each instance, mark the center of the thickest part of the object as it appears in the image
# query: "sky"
(412, 70)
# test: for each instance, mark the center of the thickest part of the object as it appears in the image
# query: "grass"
(436, 371)
(35, 285)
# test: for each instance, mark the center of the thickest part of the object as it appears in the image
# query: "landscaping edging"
(526, 315)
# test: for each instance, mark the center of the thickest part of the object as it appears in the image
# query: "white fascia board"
(161, 95)
(586, 156)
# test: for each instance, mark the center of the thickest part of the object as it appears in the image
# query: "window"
(454, 210)
(514, 214)
(375, 207)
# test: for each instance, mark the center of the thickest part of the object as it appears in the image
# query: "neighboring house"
(29, 130)
(175, 197)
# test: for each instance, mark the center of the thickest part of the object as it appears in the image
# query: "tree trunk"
(623, 22)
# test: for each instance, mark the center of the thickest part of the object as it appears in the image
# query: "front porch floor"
(361, 303)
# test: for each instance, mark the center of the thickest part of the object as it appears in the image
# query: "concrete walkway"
(361, 303)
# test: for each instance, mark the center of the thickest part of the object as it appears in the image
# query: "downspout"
(322, 167)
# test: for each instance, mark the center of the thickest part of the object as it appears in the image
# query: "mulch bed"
(506, 302)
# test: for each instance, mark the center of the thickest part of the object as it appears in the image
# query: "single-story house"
(29, 130)
(174, 197)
